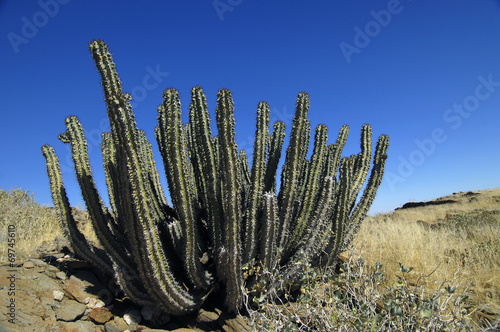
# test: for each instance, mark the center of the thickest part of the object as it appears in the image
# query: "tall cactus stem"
(257, 182)
(292, 168)
(314, 180)
(180, 182)
(230, 188)
(275, 144)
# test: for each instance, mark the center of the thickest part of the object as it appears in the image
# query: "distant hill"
(439, 209)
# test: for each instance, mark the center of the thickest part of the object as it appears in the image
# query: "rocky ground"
(55, 292)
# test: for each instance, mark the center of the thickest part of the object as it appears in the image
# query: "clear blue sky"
(427, 73)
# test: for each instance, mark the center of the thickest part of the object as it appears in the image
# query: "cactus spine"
(225, 216)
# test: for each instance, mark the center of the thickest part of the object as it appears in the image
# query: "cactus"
(225, 217)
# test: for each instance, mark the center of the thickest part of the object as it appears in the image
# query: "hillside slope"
(453, 239)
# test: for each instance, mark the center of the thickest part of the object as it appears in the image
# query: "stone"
(38, 262)
(95, 303)
(70, 311)
(33, 297)
(132, 316)
(120, 322)
(80, 326)
(236, 324)
(111, 326)
(61, 275)
(29, 265)
(205, 316)
(100, 315)
(84, 284)
(58, 295)
(55, 305)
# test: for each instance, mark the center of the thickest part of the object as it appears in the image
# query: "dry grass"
(462, 236)
(33, 223)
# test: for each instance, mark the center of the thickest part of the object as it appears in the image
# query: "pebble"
(94, 303)
(58, 295)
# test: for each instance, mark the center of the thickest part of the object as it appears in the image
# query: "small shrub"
(352, 297)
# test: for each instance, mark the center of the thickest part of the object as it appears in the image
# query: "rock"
(70, 311)
(84, 284)
(100, 315)
(33, 296)
(94, 303)
(58, 295)
(236, 324)
(23, 321)
(9, 327)
(61, 275)
(428, 203)
(132, 316)
(120, 323)
(38, 262)
(80, 326)
(29, 265)
(207, 316)
(111, 326)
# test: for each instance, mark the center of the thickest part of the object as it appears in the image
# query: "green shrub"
(351, 297)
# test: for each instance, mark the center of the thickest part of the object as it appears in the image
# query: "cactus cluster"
(224, 216)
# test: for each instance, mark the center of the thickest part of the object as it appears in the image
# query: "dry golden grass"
(33, 223)
(455, 238)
